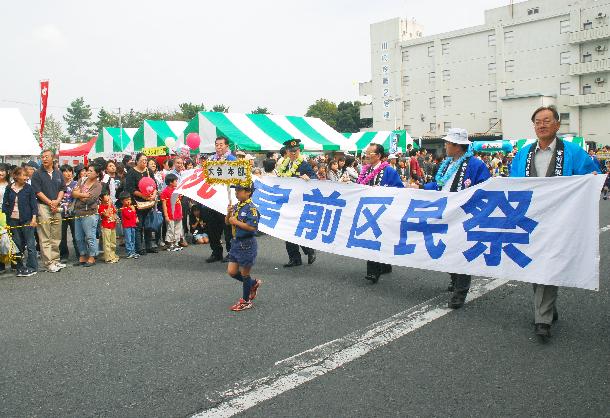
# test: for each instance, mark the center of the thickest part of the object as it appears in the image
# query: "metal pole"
(120, 128)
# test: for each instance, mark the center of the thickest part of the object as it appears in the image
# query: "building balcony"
(597, 66)
(578, 37)
(366, 88)
(593, 99)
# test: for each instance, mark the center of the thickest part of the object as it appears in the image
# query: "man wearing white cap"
(457, 172)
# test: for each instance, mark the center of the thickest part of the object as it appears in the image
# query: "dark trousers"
(294, 253)
(141, 231)
(461, 283)
(375, 268)
(64, 253)
(216, 226)
(186, 209)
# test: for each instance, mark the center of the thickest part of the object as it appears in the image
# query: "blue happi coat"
(476, 171)
(576, 161)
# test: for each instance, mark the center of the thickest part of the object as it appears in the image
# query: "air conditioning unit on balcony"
(601, 15)
(601, 48)
(600, 80)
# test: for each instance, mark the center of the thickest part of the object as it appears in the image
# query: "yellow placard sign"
(228, 172)
(155, 151)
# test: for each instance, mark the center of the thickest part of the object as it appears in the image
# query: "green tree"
(220, 108)
(189, 110)
(78, 119)
(325, 110)
(261, 111)
(53, 134)
(106, 119)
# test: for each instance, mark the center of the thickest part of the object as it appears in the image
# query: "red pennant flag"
(44, 94)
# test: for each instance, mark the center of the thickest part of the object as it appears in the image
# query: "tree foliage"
(189, 110)
(220, 108)
(78, 120)
(343, 118)
(261, 111)
(325, 110)
(53, 134)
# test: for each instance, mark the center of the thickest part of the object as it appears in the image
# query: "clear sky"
(242, 53)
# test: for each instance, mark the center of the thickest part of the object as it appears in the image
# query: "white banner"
(538, 230)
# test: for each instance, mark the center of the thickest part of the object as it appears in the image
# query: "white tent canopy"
(16, 138)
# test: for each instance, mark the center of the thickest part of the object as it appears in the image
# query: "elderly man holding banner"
(548, 157)
(378, 173)
(457, 172)
(294, 165)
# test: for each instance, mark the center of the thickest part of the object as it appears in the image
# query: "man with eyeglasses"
(378, 173)
(294, 165)
(548, 157)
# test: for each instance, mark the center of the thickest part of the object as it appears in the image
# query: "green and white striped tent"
(359, 141)
(153, 133)
(111, 141)
(256, 133)
(574, 139)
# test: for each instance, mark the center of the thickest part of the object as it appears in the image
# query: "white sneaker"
(60, 265)
(53, 268)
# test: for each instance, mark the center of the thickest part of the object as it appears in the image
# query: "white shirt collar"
(551, 146)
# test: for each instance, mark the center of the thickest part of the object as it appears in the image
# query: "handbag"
(148, 204)
(153, 220)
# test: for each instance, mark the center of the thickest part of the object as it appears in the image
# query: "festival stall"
(73, 154)
(359, 141)
(157, 134)
(113, 143)
(17, 142)
(491, 147)
(259, 133)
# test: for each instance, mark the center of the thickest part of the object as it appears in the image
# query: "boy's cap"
(248, 188)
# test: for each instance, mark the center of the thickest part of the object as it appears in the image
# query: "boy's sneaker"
(170, 247)
(136, 256)
(241, 305)
(26, 272)
(177, 248)
(131, 255)
(60, 265)
(254, 289)
(53, 268)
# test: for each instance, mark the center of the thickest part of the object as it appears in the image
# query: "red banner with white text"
(44, 94)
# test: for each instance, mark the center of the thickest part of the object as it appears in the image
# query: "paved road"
(154, 337)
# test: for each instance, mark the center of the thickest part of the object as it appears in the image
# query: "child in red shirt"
(129, 220)
(107, 212)
(173, 216)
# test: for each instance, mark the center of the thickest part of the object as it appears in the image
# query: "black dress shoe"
(294, 263)
(142, 252)
(311, 258)
(372, 277)
(543, 330)
(555, 316)
(213, 259)
(226, 259)
(386, 269)
(152, 251)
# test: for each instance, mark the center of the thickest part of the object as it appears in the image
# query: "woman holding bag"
(144, 199)
(86, 196)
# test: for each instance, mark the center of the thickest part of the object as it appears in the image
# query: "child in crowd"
(173, 216)
(107, 213)
(243, 217)
(129, 220)
(198, 226)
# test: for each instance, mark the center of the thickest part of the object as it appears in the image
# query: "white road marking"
(292, 372)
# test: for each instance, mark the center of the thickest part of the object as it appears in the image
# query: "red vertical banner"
(44, 94)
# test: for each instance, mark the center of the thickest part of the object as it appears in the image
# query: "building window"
(491, 67)
(407, 128)
(587, 57)
(384, 46)
(445, 48)
(405, 55)
(493, 122)
(565, 58)
(586, 89)
(509, 66)
(432, 77)
(447, 101)
(431, 51)
(509, 92)
(446, 126)
(491, 40)
(405, 80)
(493, 96)
(432, 103)
(564, 118)
(406, 105)
(432, 127)
(446, 75)
(533, 11)
(509, 37)
(564, 88)
(587, 25)
(564, 26)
